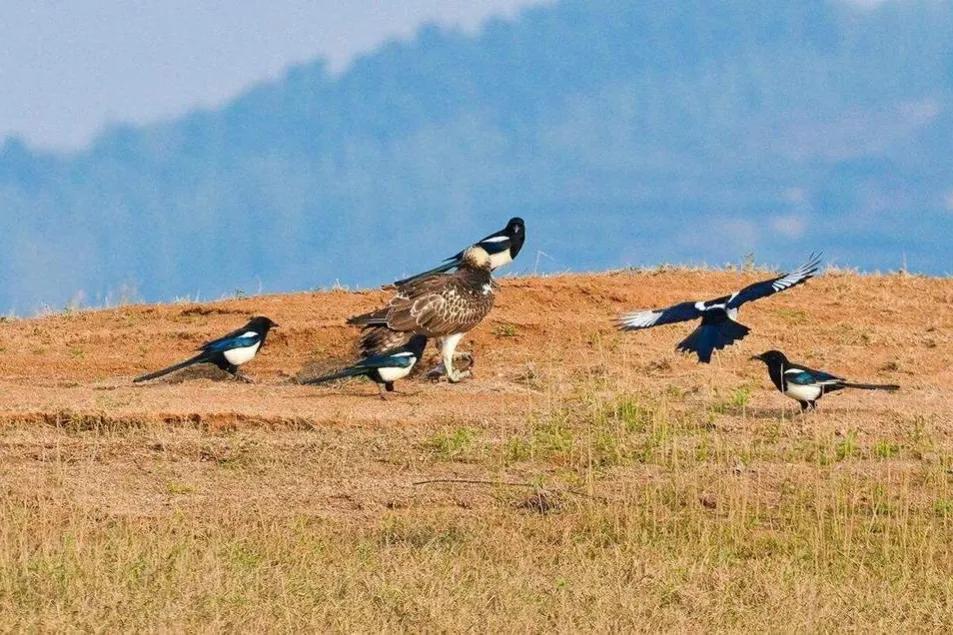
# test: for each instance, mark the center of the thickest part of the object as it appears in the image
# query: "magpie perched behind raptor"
(718, 327)
(806, 385)
(502, 247)
(383, 369)
(442, 305)
(227, 352)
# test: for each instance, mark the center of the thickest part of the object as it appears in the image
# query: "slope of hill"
(659, 494)
(690, 131)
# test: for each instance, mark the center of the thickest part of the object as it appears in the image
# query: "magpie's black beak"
(757, 357)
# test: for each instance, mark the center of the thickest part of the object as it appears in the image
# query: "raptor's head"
(476, 258)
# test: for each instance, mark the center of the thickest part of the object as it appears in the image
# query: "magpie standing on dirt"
(718, 327)
(383, 369)
(441, 305)
(227, 352)
(502, 247)
(806, 385)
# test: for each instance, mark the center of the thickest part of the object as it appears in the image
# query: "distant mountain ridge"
(625, 133)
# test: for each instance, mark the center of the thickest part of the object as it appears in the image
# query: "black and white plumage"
(806, 385)
(383, 369)
(443, 305)
(227, 352)
(501, 246)
(719, 327)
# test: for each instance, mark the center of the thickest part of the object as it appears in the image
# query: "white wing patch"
(798, 275)
(640, 319)
(495, 239)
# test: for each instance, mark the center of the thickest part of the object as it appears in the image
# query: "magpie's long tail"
(352, 371)
(198, 359)
(447, 266)
(887, 387)
(708, 338)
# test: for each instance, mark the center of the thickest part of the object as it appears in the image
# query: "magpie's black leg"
(381, 391)
(389, 386)
(232, 370)
(805, 405)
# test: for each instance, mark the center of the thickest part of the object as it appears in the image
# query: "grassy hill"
(628, 488)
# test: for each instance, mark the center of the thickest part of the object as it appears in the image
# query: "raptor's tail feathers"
(708, 338)
(171, 369)
(374, 318)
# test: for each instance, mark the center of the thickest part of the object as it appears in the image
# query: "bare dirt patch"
(661, 493)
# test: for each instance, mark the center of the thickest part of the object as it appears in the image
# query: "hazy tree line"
(626, 133)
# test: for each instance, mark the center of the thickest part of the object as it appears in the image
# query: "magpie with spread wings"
(719, 327)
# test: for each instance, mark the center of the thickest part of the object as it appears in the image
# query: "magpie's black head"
(516, 230)
(772, 358)
(260, 324)
(417, 344)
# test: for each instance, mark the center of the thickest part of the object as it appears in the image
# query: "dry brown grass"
(662, 494)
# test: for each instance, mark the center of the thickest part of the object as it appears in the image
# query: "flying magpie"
(718, 327)
(443, 305)
(502, 247)
(227, 352)
(383, 369)
(806, 385)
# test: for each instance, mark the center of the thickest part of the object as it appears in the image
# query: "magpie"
(502, 247)
(383, 369)
(441, 305)
(227, 352)
(718, 327)
(806, 385)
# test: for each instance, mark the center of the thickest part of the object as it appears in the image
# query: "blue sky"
(69, 67)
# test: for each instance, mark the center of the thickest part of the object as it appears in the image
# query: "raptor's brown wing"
(377, 339)
(441, 305)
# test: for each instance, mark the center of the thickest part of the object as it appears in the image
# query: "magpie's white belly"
(238, 356)
(500, 259)
(393, 374)
(802, 393)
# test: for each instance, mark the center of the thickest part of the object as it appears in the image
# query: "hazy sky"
(67, 67)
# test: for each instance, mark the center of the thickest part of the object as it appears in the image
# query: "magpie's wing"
(494, 244)
(765, 288)
(404, 359)
(239, 338)
(809, 377)
(656, 317)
